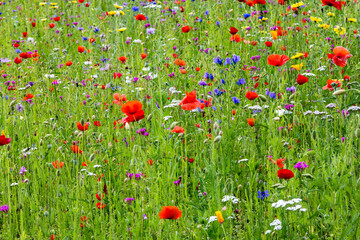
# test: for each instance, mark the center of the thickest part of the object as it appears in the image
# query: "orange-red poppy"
(285, 174)
(140, 17)
(28, 96)
(277, 60)
(76, 149)
(143, 55)
(57, 164)
(340, 57)
(250, 122)
(3, 139)
(119, 99)
(251, 95)
(301, 79)
(170, 212)
(190, 102)
(133, 110)
(81, 127)
(81, 49)
(178, 129)
(180, 62)
(328, 84)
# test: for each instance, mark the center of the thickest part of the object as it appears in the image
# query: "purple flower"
(129, 200)
(177, 182)
(4, 208)
(22, 170)
(301, 165)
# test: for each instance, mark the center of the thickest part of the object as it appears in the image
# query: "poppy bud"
(357, 133)
(127, 126)
(149, 117)
(339, 92)
(54, 126)
(92, 156)
(93, 117)
(80, 134)
(217, 139)
(173, 125)
(276, 119)
(41, 142)
(59, 149)
(220, 133)
(262, 98)
(206, 140)
(12, 103)
(292, 96)
(216, 125)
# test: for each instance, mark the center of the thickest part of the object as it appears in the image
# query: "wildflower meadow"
(185, 119)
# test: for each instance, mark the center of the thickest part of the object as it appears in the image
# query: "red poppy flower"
(56, 19)
(277, 60)
(301, 79)
(122, 59)
(332, 3)
(76, 149)
(117, 75)
(279, 162)
(180, 62)
(51, 25)
(81, 1)
(262, 2)
(69, 63)
(25, 34)
(100, 206)
(119, 99)
(150, 162)
(28, 96)
(57, 164)
(328, 84)
(17, 60)
(251, 95)
(97, 123)
(133, 110)
(81, 49)
(285, 174)
(197, 69)
(81, 127)
(250, 122)
(190, 102)
(282, 2)
(340, 57)
(233, 30)
(268, 44)
(25, 55)
(170, 212)
(185, 29)
(143, 55)
(140, 17)
(33, 24)
(98, 196)
(178, 129)
(4, 140)
(236, 38)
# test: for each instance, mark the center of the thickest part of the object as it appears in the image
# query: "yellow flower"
(43, 20)
(324, 26)
(297, 55)
(121, 13)
(53, 4)
(331, 14)
(117, 6)
(298, 66)
(351, 19)
(121, 29)
(42, 4)
(296, 5)
(219, 216)
(111, 13)
(264, 19)
(54, 7)
(74, 1)
(274, 34)
(314, 19)
(339, 30)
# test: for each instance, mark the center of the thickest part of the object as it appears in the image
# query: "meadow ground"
(179, 119)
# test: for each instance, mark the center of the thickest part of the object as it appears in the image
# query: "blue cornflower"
(235, 59)
(241, 81)
(218, 60)
(263, 195)
(135, 8)
(208, 76)
(217, 23)
(207, 12)
(18, 51)
(247, 15)
(202, 83)
(84, 38)
(235, 100)
(222, 81)
(271, 94)
(227, 61)
(96, 29)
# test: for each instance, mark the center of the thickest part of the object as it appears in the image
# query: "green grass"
(52, 201)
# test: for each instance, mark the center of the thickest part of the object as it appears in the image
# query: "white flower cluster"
(277, 226)
(227, 198)
(282, 203)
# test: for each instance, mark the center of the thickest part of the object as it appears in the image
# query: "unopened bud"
(173, 125)
(217, 139)
(149, 117)
(262, 98)
(339, 92)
